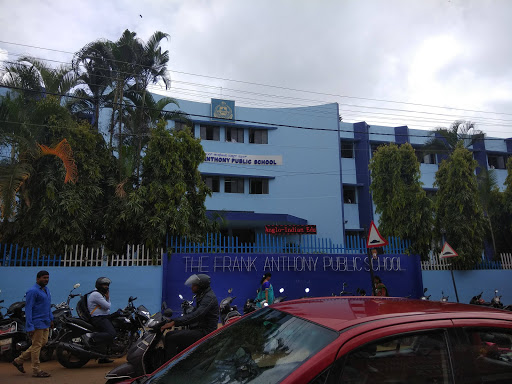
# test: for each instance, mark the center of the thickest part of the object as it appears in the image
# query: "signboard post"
(374, 240)
(446, 252)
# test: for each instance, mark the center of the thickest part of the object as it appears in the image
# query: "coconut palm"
(446, 139)
(93, 67)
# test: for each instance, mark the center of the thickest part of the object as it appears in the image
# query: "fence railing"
(437, 264)
(265, 243)
(12, 255)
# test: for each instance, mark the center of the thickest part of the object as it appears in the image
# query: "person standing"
(266, 292)
(380, 288)
(39, 319)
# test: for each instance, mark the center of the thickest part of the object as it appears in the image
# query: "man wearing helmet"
(203, 320)
(98, 303)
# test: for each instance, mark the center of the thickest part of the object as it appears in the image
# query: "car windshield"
(264, 347)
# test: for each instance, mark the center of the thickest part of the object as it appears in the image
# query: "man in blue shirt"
(39, 319)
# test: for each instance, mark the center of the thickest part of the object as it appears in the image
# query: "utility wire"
(278, 87)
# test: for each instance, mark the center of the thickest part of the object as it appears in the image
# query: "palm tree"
(93, 66)
(31, 75)
(142, 115)
(446, 139)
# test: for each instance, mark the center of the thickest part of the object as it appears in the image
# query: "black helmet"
(100, 282)
(202, 280)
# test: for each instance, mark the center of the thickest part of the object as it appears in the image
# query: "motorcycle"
(425, 297)
(72, 352)
(147, 354)
(61, 311)
(496, 300)
(477, 300)
(251, 304)
(444, 299)
(13, 338)
(360, 292)
(344, 292)
(228, 312)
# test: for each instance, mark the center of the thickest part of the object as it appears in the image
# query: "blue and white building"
(302, 166)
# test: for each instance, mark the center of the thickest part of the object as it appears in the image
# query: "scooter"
(280, 298)
(73, 352)
(425, 297)
(228, 312)
(147, 354)
(477, 300)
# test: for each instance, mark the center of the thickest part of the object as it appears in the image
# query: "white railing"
(506, 260)
(437, 264)
(136, 255)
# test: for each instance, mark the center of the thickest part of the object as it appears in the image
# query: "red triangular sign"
(375, 239)
(448, 251)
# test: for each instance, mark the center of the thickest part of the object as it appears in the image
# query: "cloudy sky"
(421, 63)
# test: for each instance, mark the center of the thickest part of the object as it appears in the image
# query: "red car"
(351, 340)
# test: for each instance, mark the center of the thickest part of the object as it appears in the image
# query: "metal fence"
(12, 255)
(264, 243)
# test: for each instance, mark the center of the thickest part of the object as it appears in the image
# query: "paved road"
(91, 373)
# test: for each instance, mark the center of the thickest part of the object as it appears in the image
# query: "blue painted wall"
(324, 274)
(469, 284)
(143, 282)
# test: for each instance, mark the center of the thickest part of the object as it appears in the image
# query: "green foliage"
(508, 186)
(459, 214)
(404, 208)
(172, 190)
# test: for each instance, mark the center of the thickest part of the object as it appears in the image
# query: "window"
(497, 161)
(258, 136)
(425, 158)
(349, 194)
(234, 135)
(412, 358)
(375, 147)
(483, 355)
(264, 347)
(212, 182)
(347, 149)
(258, 186)
(233, 185)
(179, 125)
(210, 132)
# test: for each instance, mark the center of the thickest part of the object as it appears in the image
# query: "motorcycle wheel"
(46, 353)
(67, 358)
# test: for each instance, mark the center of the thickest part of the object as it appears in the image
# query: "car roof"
(341, 312)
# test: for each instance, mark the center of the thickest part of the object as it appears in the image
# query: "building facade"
(303, 166)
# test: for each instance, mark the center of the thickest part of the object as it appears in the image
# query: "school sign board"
(323, 274)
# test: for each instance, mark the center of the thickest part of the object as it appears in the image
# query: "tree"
(446, 139)
(172, 193)
(404, 208)
(487, 191)
(459, 215)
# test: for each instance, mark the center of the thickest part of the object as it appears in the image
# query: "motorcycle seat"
(83, 323)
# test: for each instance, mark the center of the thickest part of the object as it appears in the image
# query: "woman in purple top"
(266, 292)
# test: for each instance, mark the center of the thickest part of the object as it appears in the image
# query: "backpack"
(82, 308)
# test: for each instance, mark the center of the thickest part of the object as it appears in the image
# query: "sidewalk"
(91, 373)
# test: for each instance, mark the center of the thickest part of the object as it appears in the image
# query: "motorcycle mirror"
(77, 285)
(180, 296)
(230, 290)
(495, 291)
(132, 299)
(281, 290)
(425, 290)
(306, 290)
(164, 306)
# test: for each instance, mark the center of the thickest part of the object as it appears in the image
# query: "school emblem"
(223, 111)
